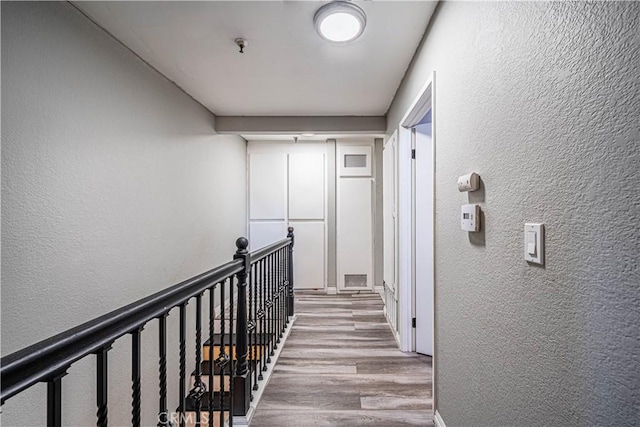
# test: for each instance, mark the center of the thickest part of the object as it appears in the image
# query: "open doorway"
(416, 202)
(409, 232)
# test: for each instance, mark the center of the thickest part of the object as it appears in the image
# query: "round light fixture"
(340, 21)
(308, 135)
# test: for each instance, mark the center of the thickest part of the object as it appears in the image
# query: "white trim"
(404, 239)
(437, 420)
(424, 100)
(418, 108)
(420, 105)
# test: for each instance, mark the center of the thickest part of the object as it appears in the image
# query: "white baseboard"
(332, 291)
(437, 420)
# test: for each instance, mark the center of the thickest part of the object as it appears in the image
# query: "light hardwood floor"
(341, 367)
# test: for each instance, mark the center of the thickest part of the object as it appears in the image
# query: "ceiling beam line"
(301, 124)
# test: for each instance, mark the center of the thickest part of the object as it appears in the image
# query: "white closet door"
(306, 216)
(306, 186)
(308, 254)
(355, 234)
(267, 186)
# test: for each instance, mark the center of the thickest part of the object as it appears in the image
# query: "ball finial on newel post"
(242, 244)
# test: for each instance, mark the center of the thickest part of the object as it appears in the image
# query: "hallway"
(341, 366)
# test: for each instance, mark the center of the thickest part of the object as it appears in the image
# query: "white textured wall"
(113, 187)
(542, 100)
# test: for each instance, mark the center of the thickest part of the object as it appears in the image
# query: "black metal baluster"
(249, 329)
(254, 349)
(263, 316)
(274, 305)
(260, 361)
(163, 417)
(136, 370)
(280, 296)
(284, 288)
(220, 360)
(212, 316)
(290, 300)
(268, 314)
(183, 363)
(286, 282)
(232, 371)
(276, 329)
(54, 400)
(198, 390)
(102, 395)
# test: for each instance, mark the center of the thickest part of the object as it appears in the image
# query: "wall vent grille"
(355, 280)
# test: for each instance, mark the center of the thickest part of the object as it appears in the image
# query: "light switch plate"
(534, 243)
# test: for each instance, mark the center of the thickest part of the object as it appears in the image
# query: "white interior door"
(306, 215)
(424, 238)
(309, 255)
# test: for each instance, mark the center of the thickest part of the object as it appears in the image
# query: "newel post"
(290, 301)
(242, 392)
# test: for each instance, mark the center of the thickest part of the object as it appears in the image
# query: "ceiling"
(286, 70)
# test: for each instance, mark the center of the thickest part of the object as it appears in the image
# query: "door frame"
(392, 312)
(422, 103)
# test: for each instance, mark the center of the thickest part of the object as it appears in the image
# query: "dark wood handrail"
(50, 358)
(262, 253)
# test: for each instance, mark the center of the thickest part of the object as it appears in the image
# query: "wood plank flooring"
(341, 367)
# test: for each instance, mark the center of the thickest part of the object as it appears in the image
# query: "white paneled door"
(354, 218)
(306, 216)
(287, 188)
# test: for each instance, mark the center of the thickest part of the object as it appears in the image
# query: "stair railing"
(261, 316)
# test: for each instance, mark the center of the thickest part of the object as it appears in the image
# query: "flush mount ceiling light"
(340, 21)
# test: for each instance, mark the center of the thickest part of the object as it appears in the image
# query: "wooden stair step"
(230, 348)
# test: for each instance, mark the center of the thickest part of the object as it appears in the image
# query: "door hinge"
(413, 322)
(413, 153)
